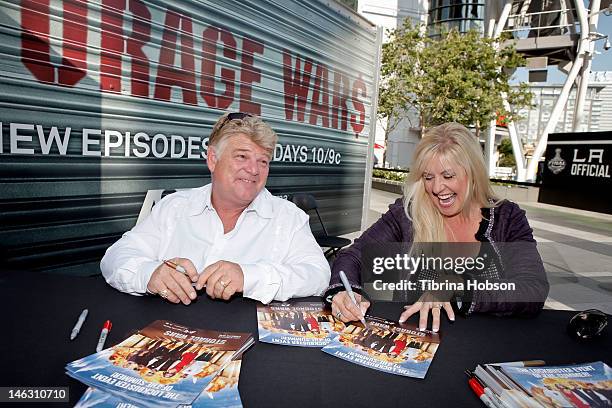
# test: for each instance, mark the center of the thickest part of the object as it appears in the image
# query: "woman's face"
(446, 185)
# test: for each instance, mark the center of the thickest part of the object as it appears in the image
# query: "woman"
(447, 198)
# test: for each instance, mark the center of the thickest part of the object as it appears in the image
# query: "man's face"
(240, 173)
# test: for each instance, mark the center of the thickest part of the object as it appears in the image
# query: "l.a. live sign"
(189, 62)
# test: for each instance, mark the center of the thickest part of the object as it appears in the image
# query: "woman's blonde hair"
(233, 123)
(453, 143)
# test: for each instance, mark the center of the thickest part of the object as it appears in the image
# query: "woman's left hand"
(426, 303)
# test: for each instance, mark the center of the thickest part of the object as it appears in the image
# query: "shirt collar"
(200, 202)
(261, 205)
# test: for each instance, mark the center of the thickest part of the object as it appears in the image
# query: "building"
(391, 14)
(597, 108)
(438, 15)
(455, 14)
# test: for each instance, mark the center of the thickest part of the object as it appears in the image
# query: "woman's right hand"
(344, 309)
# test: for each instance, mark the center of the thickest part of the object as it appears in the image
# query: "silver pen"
(77, 327)
(349, 290)
(176, 267)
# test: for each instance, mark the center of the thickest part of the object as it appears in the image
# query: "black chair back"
(305, 202)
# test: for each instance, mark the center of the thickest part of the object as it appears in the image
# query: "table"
(39, 311)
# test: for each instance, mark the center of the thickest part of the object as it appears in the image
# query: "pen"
(347, 286)
(528, 363)
(77, 327)
(176, 267)
(103, 334)
(495, 399)
(479, 391)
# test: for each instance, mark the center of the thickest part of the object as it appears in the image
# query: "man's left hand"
(222, 280)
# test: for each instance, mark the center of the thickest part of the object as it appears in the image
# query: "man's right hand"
(172, 284)
(344, 309)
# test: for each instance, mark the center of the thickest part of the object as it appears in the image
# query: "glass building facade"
(445, 15)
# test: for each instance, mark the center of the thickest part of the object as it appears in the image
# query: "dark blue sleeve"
(393, 226)
(522, 265)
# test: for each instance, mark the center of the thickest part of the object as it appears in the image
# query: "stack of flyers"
(222, 391)
(164, 364)
(301, 324)
(576, 385)
(387, 346)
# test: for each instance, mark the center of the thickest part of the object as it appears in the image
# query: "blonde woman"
(448, 199)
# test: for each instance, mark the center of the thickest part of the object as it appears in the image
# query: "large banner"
(578, 171)
(104, 103)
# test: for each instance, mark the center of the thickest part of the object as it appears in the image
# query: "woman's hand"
(344, 309)
(426, 303)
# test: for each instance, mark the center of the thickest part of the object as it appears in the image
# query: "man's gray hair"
(249, 125)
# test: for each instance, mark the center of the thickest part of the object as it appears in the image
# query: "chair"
(307, 203)
(151, 198)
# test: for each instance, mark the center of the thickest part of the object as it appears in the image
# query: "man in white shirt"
(229, 236)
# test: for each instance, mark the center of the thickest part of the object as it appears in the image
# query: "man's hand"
(428, 302)
(344, 309)
(222, 279)
(172, 284)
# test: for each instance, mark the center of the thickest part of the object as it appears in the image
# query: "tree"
(459, 77)
(398, 72)
(506, 156)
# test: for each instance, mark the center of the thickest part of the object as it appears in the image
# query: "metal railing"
(562, 21)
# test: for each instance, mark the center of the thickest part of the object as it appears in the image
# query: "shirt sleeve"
(387, 229)
(303, 271)
(129, 263)
(522, 266)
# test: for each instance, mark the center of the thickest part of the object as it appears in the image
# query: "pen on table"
(349, 290)
(495, 399)
(103, 334)
(77, 327)
(479, 391)
(175, 266)
(527, 363)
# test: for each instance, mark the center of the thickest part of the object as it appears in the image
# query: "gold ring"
(223, 283)
(164, 293)
(436, 306)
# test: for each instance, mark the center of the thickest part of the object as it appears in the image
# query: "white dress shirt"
(271, 242)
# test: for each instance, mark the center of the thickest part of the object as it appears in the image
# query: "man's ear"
(211, 158)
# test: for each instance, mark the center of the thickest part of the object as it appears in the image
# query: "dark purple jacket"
(503, 223)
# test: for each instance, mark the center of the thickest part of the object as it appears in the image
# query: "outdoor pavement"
(575, 245)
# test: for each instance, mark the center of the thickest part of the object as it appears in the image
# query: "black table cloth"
(39, 311)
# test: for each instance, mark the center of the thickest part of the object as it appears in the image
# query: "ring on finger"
(436, 306)
(164, 293)
(339, 315)
(222, 283)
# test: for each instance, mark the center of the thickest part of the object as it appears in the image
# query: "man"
(229, 236)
